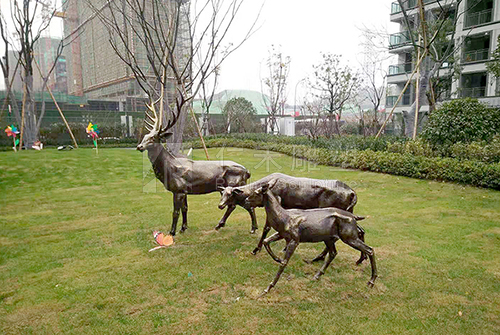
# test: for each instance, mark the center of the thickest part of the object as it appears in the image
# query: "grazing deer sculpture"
(310, 225)
(299, 193)
(183, 176)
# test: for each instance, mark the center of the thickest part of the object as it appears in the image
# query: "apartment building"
(475, 38)
(94, 68)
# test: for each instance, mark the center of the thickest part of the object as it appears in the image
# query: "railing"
(391, 100)
(396, 8)
(475, 19)
(409, 4)
(476, 55)
(399, 39)
(400, 69)
(473, 92)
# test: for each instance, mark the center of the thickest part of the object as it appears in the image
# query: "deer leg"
(320, 257)
(361, 246)
(265, 231)
(184, 210)
(332, 252)
(175, 214)
(268, 241)
(251, 211)
(361, 235)
(291, 246)
(222, 222)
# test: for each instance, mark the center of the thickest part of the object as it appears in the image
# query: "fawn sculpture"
(183, 176)
(310, 225)
(295, 192)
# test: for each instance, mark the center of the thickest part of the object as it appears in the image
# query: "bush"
(486, 152)
(404, 164)
(462, 120)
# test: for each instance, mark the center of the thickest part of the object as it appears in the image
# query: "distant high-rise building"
(476, 33)
(45, 50)
(94, 68)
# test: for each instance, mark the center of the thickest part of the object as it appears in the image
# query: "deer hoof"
(263, 293)
(219, 226)
(253, 230)
(255, 251)
(370, 284)
(172, 232)
(183, 229)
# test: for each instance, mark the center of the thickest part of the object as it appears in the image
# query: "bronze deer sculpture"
(183, 176)
(326, 225)
(299, 193)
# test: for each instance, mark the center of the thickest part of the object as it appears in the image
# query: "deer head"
(256, 199)
(153, 124)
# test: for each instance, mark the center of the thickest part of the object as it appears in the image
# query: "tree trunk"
(425, 75)
(12, 98)
(30, 133)
(175, 142)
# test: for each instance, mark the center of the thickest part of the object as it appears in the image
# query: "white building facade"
(475, 39)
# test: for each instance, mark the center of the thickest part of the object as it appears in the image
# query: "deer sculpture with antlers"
(183, 176)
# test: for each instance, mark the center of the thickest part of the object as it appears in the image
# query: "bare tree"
(207, 92)
(334, 85)
(432, 35)
(374, 78)
(314, 114)
(174, 37)
(31, 18)
(5, 64)
(278, 67)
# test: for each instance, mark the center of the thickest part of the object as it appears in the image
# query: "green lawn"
(75, 230)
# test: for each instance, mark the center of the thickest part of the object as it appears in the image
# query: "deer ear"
(164, 135)
(220, 189)
(237, 191)
(272, 183)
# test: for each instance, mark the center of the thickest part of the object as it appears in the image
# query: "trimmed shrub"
(462, 120)
(404, 164)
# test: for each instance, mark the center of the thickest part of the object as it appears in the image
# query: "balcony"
(399, 40)
(478, 18)
(473, 92)
(476, 56)
(400, 69)
(395, 8)
(408, 4)
(391, 100)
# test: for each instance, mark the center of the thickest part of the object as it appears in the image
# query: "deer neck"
(157, 156)
(276, 215)
(165, 164)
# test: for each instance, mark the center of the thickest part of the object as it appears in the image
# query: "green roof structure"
(221, 98)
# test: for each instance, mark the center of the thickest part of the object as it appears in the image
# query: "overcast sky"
(303, 29)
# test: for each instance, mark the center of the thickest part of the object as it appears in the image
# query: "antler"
(152, 121)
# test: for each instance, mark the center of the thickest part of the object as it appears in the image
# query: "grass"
(75, 230)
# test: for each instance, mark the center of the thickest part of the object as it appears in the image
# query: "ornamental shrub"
(406, 163)
(462, 120)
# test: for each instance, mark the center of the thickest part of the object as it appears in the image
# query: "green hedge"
(350, 142)
(487, 152)
(436, 168)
